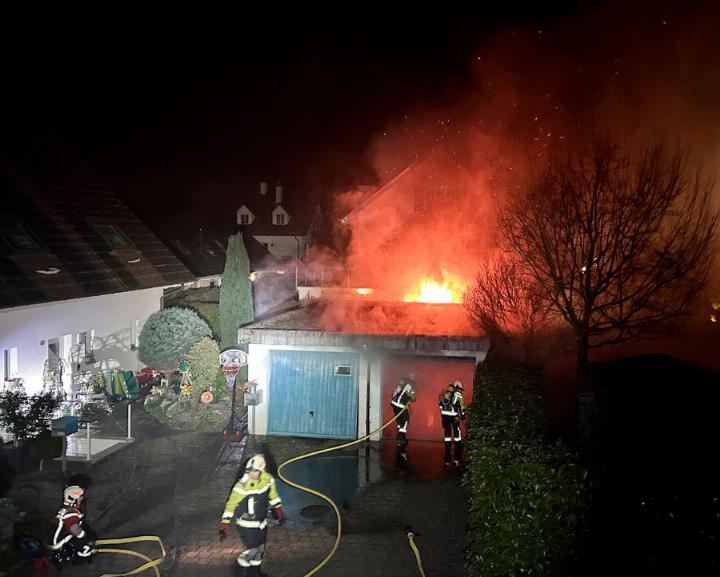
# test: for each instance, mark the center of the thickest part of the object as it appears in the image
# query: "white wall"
(284, 246)
(259, 371)
(111, 317)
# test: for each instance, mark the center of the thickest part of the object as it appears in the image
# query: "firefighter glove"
(223, 530)
(279, 514)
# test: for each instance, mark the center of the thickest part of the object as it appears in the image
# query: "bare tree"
(505, 302)
(619, 245)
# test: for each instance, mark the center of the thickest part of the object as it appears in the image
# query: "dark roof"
(205, 255)
(63, 233)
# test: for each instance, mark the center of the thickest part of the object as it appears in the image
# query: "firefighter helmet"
(73, 495)
(256, 463)
(458, 384)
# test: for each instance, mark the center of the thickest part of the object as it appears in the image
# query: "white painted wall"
(259, 371)
(115, 320)
(284, 246)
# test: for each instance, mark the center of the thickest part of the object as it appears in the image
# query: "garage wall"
(432, 375)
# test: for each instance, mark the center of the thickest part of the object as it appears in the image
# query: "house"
(79, 272)
(270, 219)
(320, 376)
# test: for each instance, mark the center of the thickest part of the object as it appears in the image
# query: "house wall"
(369, 377)
(115, 320)
(284, 246)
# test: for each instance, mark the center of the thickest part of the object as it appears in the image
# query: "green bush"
(236, 304)
(153, 407)
(210, 313)
(204, 366)
(26, 416)
(220, 387)
(528, 498)
(167, 335)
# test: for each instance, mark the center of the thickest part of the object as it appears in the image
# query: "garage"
(314, 394)
(316, 382)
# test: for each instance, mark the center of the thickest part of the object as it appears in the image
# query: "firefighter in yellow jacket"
(249, 501)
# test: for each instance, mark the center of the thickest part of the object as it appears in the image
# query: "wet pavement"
(175, 484)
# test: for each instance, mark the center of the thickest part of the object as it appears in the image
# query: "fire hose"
(332, 503)
(149, 563)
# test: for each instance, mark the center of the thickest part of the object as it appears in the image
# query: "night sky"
(183, 114)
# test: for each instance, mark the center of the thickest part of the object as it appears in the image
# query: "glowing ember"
(364, 291)
(430, 291)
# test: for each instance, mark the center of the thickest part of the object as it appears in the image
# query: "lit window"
(113, 236)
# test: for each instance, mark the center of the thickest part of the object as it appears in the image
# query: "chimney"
(263, 188)
(278, 194)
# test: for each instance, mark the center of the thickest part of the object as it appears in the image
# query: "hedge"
(527, 497)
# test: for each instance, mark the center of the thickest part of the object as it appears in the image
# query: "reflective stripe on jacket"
(250, 499)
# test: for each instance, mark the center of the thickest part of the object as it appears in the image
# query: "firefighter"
(73, 540)
(403, 394)
(452, 411)
(249, 501)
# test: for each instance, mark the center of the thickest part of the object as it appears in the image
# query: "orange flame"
(428, 290)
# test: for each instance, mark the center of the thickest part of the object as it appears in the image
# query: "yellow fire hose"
(149, 563)
(332, 503)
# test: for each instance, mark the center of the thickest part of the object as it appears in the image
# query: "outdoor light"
(134, 260)
(47, 271)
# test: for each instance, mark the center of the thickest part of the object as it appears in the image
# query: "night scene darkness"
(477, 244)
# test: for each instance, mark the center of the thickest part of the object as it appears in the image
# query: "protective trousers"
(453, 433)
(402, 424)
(254, 540)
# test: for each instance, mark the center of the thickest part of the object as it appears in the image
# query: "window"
(113, 236)
(279, 219)
(134, 334)
(343, 371)
(10, 363)
(18, 237)
(244, 219)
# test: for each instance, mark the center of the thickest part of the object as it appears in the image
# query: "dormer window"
(280, 219)
(244, 218)
(113, 236)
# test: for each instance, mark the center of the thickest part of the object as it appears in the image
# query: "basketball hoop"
(230, 371)
(231, 360)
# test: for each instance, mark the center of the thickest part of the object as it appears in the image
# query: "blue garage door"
(313, 394)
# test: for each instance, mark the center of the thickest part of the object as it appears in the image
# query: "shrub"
(26, 416)
(204, 365)
(236, 304)
(527, 497)
(220, 387)
(167, 335)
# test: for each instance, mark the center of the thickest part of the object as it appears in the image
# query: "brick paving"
(171, 484)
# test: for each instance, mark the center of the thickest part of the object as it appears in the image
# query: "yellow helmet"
(256, 463)
(72, 495)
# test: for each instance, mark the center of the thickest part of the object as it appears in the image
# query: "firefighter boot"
(446, 459)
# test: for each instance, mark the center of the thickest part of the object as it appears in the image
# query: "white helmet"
(73, 495)
(256, 462)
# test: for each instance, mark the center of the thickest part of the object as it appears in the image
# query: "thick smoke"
(641, 73)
